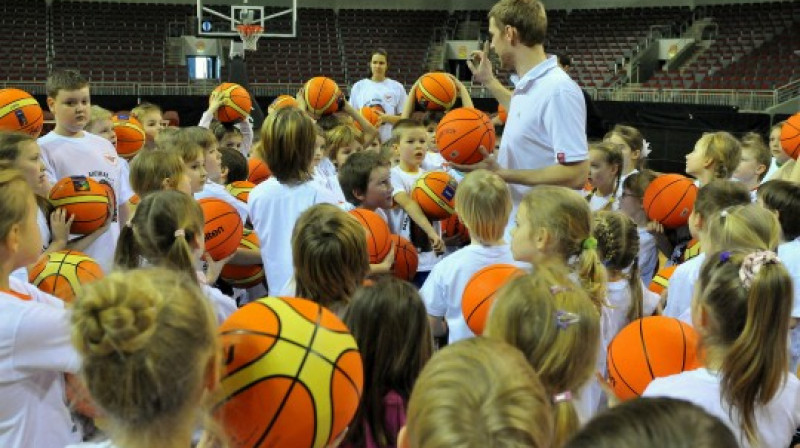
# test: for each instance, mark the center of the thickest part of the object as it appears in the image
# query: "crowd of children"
(143, 340)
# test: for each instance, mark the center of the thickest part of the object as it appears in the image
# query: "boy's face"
(375, 145)
(431, 131)
(749, 169)
(71, 109)
(152, 123)
(104, 128)
(379, 190)
(231, 140)
(196, 172)
(345, 152)
(775, 146)
(213, 163)
(411, 147)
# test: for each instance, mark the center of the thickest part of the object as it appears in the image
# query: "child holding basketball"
(411, 146)
(34, 332)
(394, 349)
(715, 156)
(755, 161)
(151, 118)
(483, 203)
(563, 345)
(167, 231)
(742, 313)
(238, 136)
(275, 204)
(630, 203)
(711, 200)
(70, 151)
(605, 174)
(478, 392)
(149, 355)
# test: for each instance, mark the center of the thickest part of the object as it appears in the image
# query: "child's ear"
(760, 169)
(168, 184)
(224, 174)
(51, 103)
(360, 195)
(541, 238)
(12, 239)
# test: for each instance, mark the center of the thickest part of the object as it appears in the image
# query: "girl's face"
(378, 65)
(213, 163)
(431, 130)
(631, 205)
(319, 144)
(182, 183)
(629, 157)
(601, 174)
(375, 145)
(30, 240)
(231, 140)
(696, 160)
(523, 246)
(379, 190)
(196, 173)
(775, 146)
(345, 152)
(104, 128)
(30, 163)
(152, 124)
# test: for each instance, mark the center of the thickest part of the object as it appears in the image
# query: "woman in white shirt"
(378, 90)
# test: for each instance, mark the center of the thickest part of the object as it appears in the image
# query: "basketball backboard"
(277, 17)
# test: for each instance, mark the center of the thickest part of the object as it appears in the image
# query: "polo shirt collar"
(537, 72)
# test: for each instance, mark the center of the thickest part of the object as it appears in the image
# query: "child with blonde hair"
(167, 231)
(35, 351)
(159, 170)
(151, 117)
(329, 252)
(483, 204)
(100, 124)
(557, 327)
(194, 161)
(149, 355)
(394, 349)
(716, 155)
(755, 161)
(478, 392)
(276, 204)
(742, 313)
(631, 204)
(606, 163)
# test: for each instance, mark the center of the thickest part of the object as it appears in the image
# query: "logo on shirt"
(561, 157)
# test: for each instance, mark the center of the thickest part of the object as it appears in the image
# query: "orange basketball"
(480, 291)
(669, 199)
(436, 91)
(236, 102)
(660, 281)
(647, 349)
(790, 136)
(462, 132)
(406, 258)
(223, 227)
(258, 170)
(19, 111)
(240, 275)
(63, 273)
(378, 243)
(85, 199)
(292, 377)
(435, 192)
(130, 135)
(502, 113)
(370, 115)
(453, 226)
(240, 189)
(322, 96)
(280, 102)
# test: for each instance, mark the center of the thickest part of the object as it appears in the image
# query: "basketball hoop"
(250, 34)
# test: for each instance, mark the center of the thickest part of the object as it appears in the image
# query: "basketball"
(280, 102)
(790, 136)
(453, 226)
(502, 113)
(85, 199)
(223, 228)
(669, 199)
(435, 192)
(370, 115)
(258, 170)
(240, 275)
(130, 135)
(480, 291)
(236, 103)
(660, 281)
(322, 96)
(293, 375)
(240, 189)
(647, 349)
(63, 273)
(462, 132)
(406, 258)
(378, 242)
(436, 91)
(19, 111)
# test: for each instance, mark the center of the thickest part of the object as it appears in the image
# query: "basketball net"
(249, 34)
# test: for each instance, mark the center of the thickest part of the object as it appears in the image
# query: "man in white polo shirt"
(544, 141)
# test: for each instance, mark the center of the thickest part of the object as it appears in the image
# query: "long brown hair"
(390, 324)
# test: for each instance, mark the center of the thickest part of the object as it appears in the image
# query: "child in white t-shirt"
(35, 350)
(630, 203)
(605, 171)
(238, 136)
(635, 150)
(483, 203)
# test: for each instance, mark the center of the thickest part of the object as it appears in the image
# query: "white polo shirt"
(546, 125)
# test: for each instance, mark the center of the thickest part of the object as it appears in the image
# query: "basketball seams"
(619, 374)
(644, 349)
(658, 193)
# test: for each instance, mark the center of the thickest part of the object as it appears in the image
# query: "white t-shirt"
(773, 169)
(620, 189)
(44, 229)
(326, 176)
(274, 208)
(597, 202)
(775, 423)
(445, 285)
(546, 125)
(95, 157)
(681, 288)
(648, 255)
(244, 126)
(224, 306)
(389, 94)
(789, 253)
(400, 222)
(35, 352)
(615, 314)
(217, 191)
